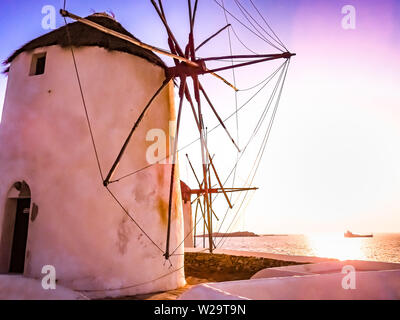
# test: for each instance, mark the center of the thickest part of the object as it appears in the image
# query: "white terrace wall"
(45, 141)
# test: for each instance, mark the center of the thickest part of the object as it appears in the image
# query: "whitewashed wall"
(44, 140)
(188, 224)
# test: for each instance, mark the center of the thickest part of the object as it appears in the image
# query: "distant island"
(230, 234)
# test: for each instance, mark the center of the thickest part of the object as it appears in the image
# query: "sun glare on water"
(337, 246)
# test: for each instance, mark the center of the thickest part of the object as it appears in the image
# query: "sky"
(332, 159)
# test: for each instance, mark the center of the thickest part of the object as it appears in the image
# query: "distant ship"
(349, 234)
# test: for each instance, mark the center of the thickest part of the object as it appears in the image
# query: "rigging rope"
(256, 85)
(261, 120)
(236, 97)
(261, 150)
(241, 42)
(83, 100)
(265, 21)
(244, 25)
(133, 220)
(261, 117)
(243, 9)
(263, 145)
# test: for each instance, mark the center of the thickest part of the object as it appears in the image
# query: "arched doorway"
(15, 226)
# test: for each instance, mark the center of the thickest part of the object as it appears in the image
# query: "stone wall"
(223, 267)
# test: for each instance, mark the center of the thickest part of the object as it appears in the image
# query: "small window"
(38, 64)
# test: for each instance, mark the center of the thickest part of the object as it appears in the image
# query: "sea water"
(381, 247)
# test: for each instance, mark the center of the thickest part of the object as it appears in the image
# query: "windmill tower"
(71, 92)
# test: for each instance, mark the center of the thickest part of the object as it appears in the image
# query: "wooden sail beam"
(204, 157)
(285, 55)
(203, 214)
(207, 201)
(251, 56)
(171, 185)
(185, 70)
(194, 172)
(192, 14)
(195, 226)
(218, 117)
(197, 119)
(114, 166)
(161, 14)
(197, 67)
(210, 196)
(122, 36)
(224, 80)
(215, 215)
(206, 225)
(219, 182)
(204, 151)
(141, 44)
(218, 190)
(212, 36)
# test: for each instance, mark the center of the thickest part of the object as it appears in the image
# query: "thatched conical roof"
(84, 35)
